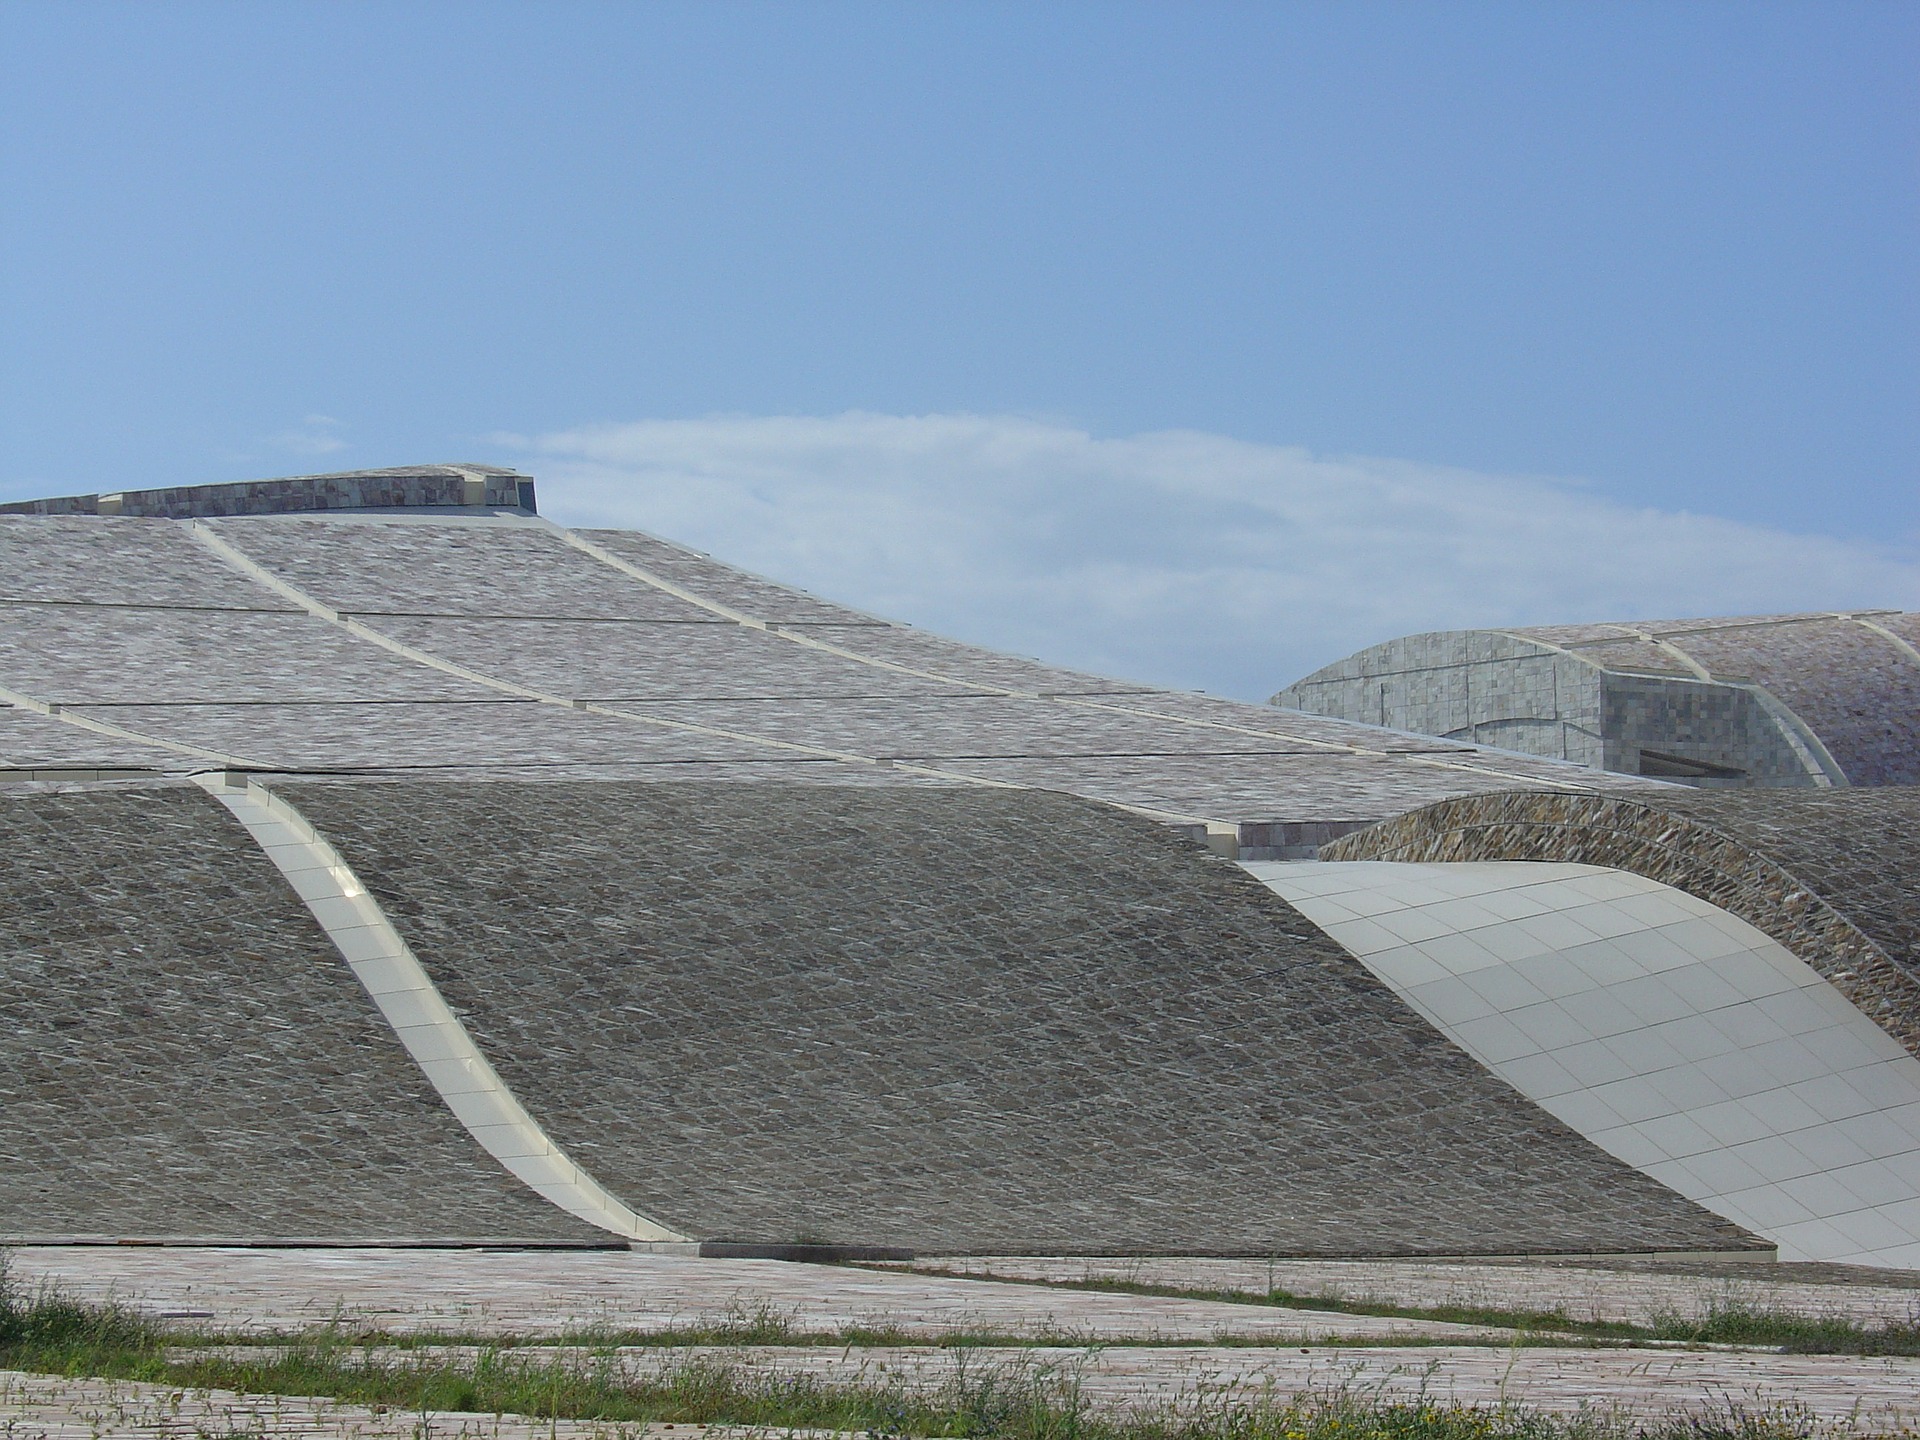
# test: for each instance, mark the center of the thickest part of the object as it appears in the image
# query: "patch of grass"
(1797, 1334)
(1721, 1325)
(986, 1402)
(49, 1332)
(53, 1333)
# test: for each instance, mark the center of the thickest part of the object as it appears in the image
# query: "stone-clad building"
(388, 864)
(1789, 701)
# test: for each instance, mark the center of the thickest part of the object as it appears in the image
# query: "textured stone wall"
(1851, 686)
(1473, 685)
(134, 624)
(186, 1056)
(1681, 719)
(1761, 695)
(958, 1020)
(424, 485)
(1827, 873)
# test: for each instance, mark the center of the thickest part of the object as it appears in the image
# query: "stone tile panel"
(365, 566)
(959, 1020)
(30, 741)
(903, 645)
(750, 594)
(96, 560)
(636, 660)
(101, 655)
(422, 735)
(933, 727)
(185, 1055)
(1856, 690)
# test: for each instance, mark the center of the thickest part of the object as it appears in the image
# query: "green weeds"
(51, 1332)
(973, 1399)
(1722, 1324)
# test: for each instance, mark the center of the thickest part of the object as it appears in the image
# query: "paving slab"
(1873, 1396)
(551, 1293)
(48, 1407)
(1881, 1395)
(1583, 1292)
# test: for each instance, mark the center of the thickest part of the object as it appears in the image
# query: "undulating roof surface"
(1853, 678)
(185, 1057)
(1673, 1034)
(1829, 874)
(418, 868)
(1782, 700)
(957, 1020)
(481, 641)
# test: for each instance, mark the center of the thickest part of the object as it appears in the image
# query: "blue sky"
(1648, 269)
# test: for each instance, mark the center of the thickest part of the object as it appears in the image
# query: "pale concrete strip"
(1586, 1293)
(47, 1407)
(409, 1001)
(536, 1294)
(50, 711)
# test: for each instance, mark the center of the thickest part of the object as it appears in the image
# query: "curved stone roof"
(941, 1018)
(1815, 699)
(185, 1057)
(709, 910)
(458, 638)
(1853, 678)
(1829, 874)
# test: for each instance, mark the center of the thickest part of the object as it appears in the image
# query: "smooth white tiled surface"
(1674, 1035)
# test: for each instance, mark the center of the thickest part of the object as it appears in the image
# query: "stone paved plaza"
(1636, 1293)
(556, 1293)
(470, 1296)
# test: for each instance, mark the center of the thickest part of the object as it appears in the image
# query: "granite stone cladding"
(87, 561)
(638, 660)
(31, 743)
(1772, 701)
(753, 594)
(127, 655)
(185, 1056)
(1852, 686)
(399, 737)
(409, 487)
(1829, 874)
(136, 624)
(369, 567)
(958, 1020)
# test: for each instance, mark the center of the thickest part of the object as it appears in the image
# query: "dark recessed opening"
(1680, 767)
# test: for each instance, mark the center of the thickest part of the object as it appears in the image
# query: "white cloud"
(315, 435)
(1180, 557)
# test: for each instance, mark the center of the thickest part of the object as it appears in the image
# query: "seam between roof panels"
(1904, 646)
(52, 711)
(252, 568)
(606, 557)
(412, 1005)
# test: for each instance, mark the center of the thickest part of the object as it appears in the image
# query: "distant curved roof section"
(1810, 700)
(1828, 874)
(1853, 677)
